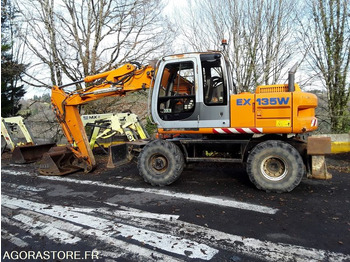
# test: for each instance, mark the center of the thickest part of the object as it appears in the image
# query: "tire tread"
(175, 156)
(285, 185)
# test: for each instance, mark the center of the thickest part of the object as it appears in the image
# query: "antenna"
(224, 44)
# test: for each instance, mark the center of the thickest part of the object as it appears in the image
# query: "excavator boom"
(117, 82)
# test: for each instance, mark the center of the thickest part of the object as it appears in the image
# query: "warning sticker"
(283, 123)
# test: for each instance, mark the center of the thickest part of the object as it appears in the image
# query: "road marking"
(192, 197)
(264, 250)
(105, 230)
(13, 239)
(133, 212)
(108, 228)
(122, 249)
(16, 173)
(49, 231)
(15, 165)
(195, 236)
(131, 248)
(59, 236)
(22, 187)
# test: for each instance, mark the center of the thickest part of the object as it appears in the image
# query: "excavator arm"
(117, 82)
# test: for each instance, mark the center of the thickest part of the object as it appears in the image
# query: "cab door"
(214, 92)
(175, 95)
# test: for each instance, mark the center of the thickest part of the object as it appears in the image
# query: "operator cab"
(192, 91)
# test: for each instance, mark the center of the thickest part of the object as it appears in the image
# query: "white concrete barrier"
(340, 142)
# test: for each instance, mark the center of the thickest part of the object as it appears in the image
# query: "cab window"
(214, 86)
(176, 98)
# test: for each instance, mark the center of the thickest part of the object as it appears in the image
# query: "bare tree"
(258, 33)
(78, 38)
(325, 36)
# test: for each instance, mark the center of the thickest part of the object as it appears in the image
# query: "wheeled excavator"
(200, 118)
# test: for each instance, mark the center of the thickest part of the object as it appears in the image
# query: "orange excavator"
(200, 118)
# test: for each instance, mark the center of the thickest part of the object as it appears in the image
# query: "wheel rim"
(159, 163)
(274, 168)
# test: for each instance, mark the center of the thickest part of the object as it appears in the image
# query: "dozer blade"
(58, 161)
(29, 153)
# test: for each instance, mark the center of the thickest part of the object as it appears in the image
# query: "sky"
(172, 8)
(171, 5)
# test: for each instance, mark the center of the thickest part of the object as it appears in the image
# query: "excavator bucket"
(123, 153)
(29, 153)
(118, 155)
(58, 161)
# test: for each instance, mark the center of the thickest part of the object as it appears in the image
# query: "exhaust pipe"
(291, 78)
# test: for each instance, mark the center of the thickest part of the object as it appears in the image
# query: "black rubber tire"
(160, 163)
(275, 166)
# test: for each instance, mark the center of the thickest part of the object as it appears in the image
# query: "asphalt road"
(212, 213)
